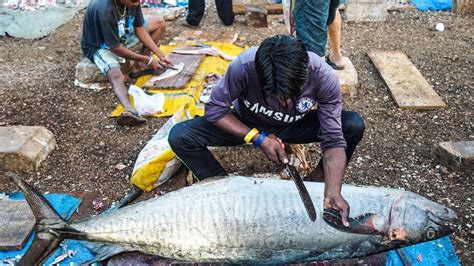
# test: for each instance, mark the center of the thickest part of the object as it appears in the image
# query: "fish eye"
(431, 233)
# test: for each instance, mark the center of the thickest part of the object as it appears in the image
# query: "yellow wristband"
(250, 135)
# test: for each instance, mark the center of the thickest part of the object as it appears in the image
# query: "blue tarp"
(436, 252)
(65, 205)
(433, 5)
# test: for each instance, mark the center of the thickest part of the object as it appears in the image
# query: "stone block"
(366, 10)
(257, 16)
(87, 72)
(456, 155)
(23, 148)
(348, 78)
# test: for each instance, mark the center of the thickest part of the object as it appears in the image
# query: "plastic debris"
(439, 27)
(97, 205)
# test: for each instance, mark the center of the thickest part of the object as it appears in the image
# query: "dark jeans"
(196, 11)
(190, 139)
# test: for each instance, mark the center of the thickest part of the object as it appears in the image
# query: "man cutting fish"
(267, 97)
(110, 28)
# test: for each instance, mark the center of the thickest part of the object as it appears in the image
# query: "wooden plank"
(408, 87)
(16, 225)
(191, 63)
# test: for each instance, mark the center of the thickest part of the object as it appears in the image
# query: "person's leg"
(307, 129)
(155, 25)
(108, 64)
(189, 141)
(195, 12)
(334, 33)
(225, 11)
(311, 24)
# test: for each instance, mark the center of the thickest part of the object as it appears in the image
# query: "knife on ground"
(308, 203)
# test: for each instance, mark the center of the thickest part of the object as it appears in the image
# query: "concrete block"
(456, 155)
(348, 78)
(23, 148)
(87, 72)
(366, 10)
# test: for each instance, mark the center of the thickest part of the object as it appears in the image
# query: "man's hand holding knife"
(274, 149)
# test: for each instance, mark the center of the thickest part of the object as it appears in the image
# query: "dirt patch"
(37, 89)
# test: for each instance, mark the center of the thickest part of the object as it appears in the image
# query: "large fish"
(249, 220)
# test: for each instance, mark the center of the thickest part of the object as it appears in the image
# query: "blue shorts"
(312, 18)
(105, 59)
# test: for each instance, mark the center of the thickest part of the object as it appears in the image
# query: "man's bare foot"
(336, 61)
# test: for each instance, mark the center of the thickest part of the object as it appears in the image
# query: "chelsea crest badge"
(304, 104)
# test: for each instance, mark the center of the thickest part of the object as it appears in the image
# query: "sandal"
(130, 119)
(332, 64)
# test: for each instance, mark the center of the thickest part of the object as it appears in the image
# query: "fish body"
(263, 221)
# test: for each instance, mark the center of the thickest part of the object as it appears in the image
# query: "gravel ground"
(397, 150)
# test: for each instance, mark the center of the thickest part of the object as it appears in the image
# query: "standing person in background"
(196, 11)
(110, 28)
(334, 58)
(312, 18)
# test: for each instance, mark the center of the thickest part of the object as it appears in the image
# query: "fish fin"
(358, 225)
(104, 251)
(46, 241)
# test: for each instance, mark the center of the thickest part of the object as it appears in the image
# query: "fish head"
(415, 219)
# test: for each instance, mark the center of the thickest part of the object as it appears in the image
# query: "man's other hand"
(274, 149)
(338, 203)
(156, 64)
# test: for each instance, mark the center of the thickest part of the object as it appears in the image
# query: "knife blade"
(308, 203)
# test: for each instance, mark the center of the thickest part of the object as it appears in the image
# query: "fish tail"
(47, 239)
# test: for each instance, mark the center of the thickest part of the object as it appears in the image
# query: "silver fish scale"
(239, 219)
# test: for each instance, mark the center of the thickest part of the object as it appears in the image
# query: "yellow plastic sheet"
(175, 99)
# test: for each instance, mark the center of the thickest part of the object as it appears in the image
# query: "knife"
(308, 203)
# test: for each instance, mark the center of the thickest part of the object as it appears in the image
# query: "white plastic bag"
(146, 104)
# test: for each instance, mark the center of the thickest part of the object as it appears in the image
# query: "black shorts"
(333, 5)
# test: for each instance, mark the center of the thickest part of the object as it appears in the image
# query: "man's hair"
(282, 68)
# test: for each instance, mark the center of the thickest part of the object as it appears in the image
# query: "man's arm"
(219, 112)
(334, 165)
(271, 146)
(333, 144)
(126, 53)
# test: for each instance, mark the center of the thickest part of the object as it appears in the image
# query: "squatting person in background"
(110, 28)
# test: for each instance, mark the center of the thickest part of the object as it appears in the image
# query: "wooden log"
(272, 9)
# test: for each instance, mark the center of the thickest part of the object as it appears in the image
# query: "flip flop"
(130, 119)
(332, 64)
(146, 71)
